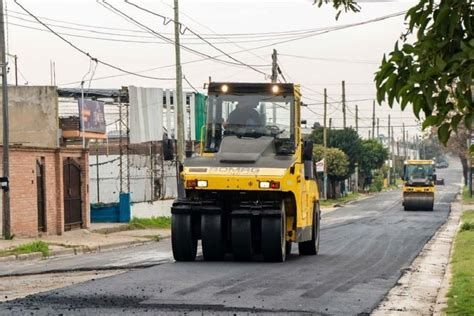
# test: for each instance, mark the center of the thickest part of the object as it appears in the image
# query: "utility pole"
(330, 123)
(6, 192)
(390, 152)
(407, 144)
(325, 142)
(274, 66)
(50, 72)
(81, 110)
(404, 143)
(373, 119)
(16, 70)
(97, 169)
(370, 137)
(274, 80)
(357, 119)
(356, 170)
(343, 104)
(393, 151)
(398, 147)
(378, 129)
(179, 101)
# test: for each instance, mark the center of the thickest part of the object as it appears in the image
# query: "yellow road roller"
(419, 185)
(252, 190)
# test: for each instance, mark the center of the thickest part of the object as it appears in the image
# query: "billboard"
(93, 116)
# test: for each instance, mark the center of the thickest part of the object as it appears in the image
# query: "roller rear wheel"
(311, 247)
(213, 241)
(183, 240)
(242, 247)
(274, 237)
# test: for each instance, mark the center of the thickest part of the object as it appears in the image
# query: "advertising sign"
(320, 166)
(93, 116)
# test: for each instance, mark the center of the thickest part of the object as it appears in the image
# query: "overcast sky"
(351, 54)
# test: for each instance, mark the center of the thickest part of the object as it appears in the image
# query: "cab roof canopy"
(250, 88)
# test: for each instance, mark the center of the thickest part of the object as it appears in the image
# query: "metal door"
(40, 194)
(72, 195)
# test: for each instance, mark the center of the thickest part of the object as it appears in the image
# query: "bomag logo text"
(234, 170)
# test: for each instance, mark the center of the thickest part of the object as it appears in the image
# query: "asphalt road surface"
(365, 247)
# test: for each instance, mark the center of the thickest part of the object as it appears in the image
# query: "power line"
(86, 53)
(332, 59)
(125, 37)
(88, 37)
(399, 126)
(245, 35)
(167, 20)
(358, 100)
(141, 25)
(214, 32)
(189, 83)
(274, 44)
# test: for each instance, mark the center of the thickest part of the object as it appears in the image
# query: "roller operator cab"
(252, 190)
(419, 185)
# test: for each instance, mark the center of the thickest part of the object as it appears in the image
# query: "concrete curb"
(110, 230)
(76, 251)
(30, 256)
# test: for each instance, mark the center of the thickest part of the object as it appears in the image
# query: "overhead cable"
(87, 53)
(167, 20)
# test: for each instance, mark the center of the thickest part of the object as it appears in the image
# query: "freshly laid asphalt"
(365, 247)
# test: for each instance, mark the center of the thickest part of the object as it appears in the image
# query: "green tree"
(373, 156)
(337, 164)
(346, 140)
(337, 161)
(433, 73)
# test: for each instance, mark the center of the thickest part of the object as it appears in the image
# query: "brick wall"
(23, 189)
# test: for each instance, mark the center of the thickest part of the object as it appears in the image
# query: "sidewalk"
(99, 237)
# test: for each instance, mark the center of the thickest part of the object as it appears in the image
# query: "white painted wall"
(140, 179)
(154, 209)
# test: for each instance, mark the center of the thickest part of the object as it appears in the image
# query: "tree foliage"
(346, 140)
(336, 160)
(340, 5)
(434, 73)
(373, 156)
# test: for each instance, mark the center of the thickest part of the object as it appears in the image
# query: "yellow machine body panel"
(248, 179)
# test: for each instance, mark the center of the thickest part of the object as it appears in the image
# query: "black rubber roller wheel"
(183, 241)
(274, 237)
(242, 247)
(213, 242)
(311, 247)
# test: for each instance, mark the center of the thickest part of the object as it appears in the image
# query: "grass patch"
(461, 294)
(466, 196)
(153, 222)
(35, 246)
(341, 200)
